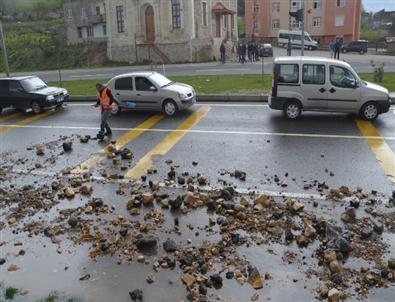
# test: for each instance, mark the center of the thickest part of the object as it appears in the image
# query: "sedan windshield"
(33, 84)
(160, 80)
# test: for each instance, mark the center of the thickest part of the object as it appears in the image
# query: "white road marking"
(218, 70)
(197, 131)
(176, 186)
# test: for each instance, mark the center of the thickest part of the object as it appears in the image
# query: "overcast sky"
(376, 5)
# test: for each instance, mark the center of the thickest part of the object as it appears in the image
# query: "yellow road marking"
(10, 116)
(120, 142)
(167, 143)
(379, 147)
(26, 121)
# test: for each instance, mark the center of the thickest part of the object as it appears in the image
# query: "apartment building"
(324, 19)
(85, 20)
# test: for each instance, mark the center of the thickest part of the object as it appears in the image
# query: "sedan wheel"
(170, 107)
(36, 107)
(370, 111)
(292, 110)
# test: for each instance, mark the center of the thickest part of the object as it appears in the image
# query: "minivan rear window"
(288, 73)
(313, 74)
(124, 84)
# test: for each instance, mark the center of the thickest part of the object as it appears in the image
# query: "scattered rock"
(181, 180)
(67, 146)
(123, 232)
(335, 267)
(188, 280)
(136, 295)
(40, 151)
(329, 256)
(366, 232)
(12, 221)
(148, 198)
(144, 244)
(255, 297)
(2, 261)
(255, 279)
(378, 227)
(141, 258)
(391, 263)
(69, 192)
(216, 279)
(169, 246)
(202, 180)
(240, 175)
(13, 268)
(73, 221)
(334, 295)
(86, 190)
(262, 199)
(150, 279)
(23, 291)
(85, 277)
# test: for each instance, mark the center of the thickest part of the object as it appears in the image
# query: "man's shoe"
(108, 133)
(100, 136)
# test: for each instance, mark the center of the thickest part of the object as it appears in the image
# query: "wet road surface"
(279, 156)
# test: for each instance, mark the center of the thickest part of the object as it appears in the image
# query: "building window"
(104, 29)
(89, 31)
(275, 7)
(255, 24)
(79, 32)
(204, 9)
(97, 10)
(83, 12)
(317, 4)
(339, 20)
(295, 24)
(340, 3)
(176, 13)
(70, 13)
(296, 5)
(255, 8)
(232, 22)
(316, 22)
(275, 24)
(120, 19)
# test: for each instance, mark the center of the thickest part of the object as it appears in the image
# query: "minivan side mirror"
(152, 88)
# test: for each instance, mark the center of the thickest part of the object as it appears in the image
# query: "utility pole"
(302, 50)
(6, 66)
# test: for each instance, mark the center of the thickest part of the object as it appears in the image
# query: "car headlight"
(65, 91)
(50, 98)
(182, 95)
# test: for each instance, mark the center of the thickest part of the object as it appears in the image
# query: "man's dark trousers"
(105, 114)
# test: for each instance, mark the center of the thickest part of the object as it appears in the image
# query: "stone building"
(169, 30)
(85, 20)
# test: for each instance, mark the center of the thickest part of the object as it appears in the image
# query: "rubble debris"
(255, 279)
(67, 146)
(136, 295)
(85, 277)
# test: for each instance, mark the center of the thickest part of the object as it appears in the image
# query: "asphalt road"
(226, 137)
(335, 149)
(361, 63)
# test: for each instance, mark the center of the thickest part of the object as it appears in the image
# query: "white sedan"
(150, 91)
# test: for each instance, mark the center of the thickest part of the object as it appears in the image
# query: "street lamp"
(7, 68)
(299, 17)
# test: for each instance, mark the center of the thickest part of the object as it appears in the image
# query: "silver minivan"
(322, 84)
(150, 91)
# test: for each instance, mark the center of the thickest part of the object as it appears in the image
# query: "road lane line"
(120, 142)
(167, 143)
(198, 131)
(379, 147)
(10, 116)
(5, 128)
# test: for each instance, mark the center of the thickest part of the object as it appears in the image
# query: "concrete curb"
(206, 98)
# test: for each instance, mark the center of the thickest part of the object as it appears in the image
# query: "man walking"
(222, 50)
(337, 47)
(105, 100)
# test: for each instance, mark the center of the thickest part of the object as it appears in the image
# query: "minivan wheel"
(370, 111)
(310, 48)
(170, 107)
(116, 109)
(36, 107)
(292, 110)
(361, 52)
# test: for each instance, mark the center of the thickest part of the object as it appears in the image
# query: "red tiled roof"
(222, 9)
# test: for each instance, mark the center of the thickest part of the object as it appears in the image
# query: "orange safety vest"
(104, 99)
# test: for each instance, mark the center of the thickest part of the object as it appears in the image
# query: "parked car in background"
(266, 50)
(360, 46)
(322, 84)
(150, 91)
(30, 92)
(296, 39)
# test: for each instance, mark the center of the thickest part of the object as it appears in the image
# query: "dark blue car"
(266, 50)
